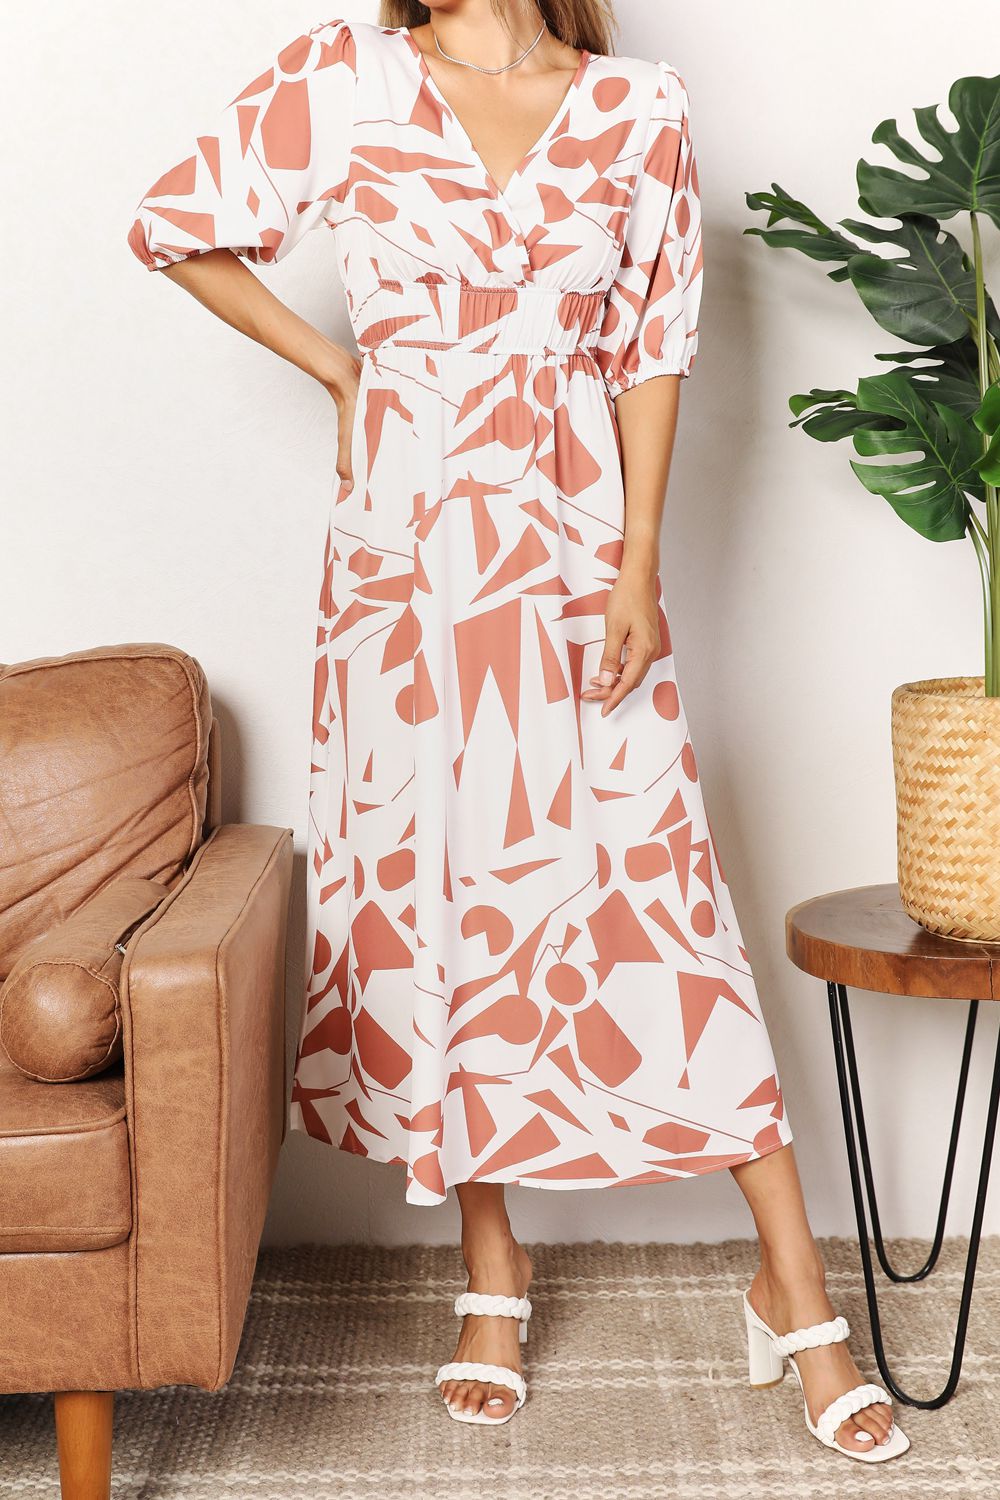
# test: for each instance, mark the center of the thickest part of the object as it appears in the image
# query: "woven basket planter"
(946, 755)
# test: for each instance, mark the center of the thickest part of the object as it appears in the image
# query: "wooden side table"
(863, 938)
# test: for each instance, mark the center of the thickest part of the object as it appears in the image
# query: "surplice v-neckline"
(429, 82)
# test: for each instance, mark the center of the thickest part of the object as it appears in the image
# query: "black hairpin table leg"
(862, 1186)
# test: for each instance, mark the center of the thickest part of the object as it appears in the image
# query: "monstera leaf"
(814, 238)
(829, 416)
(944, 376)
(947, 375)
(987, 419)
(962, 173)
(938, 453)
(927, 295)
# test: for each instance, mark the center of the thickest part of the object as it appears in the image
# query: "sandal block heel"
(766, 1365)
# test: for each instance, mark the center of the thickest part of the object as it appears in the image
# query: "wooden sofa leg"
(83, 1436)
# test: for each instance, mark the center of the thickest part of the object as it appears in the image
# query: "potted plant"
(931, 423)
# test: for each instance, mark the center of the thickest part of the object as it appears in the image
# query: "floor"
(636, 1370)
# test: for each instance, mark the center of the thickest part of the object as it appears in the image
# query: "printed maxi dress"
(524, 962)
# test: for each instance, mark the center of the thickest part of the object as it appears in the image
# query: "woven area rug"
(636, 1369)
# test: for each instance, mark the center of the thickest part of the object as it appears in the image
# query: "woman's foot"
(500, 1266)
(793, 1298)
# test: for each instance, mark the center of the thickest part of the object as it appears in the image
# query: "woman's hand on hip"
(341, 382)
(632, 629)
(346, 398)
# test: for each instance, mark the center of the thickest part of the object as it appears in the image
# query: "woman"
(525, 963)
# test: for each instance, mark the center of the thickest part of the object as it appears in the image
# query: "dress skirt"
(526, 966)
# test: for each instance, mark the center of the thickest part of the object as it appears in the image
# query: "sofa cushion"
(64, 1166)
(60, 1005)
(103, 772)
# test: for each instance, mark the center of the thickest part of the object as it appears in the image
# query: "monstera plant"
(927, 435)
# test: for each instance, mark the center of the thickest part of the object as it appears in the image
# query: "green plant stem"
(993, 356)
(979, 541)
(986, 349)
(977, 526)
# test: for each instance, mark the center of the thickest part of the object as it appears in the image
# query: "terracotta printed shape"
(524, 962)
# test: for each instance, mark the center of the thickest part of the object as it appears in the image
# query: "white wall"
(166, 479)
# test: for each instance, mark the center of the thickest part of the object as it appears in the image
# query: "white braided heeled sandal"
(766, 1353)
(486, 1305)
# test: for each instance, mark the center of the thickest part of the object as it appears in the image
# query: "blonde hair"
(579, 23)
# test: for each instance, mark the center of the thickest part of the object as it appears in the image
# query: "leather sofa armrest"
(204, 1039)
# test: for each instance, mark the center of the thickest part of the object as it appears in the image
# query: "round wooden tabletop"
(863, 937)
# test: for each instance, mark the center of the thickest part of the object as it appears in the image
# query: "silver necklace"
(506, 67)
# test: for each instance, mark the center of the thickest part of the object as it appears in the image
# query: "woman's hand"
(341, 382)
(631, 624)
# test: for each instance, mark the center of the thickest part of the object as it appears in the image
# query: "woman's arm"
(646, 346)
(263, 171)
(227, 287)
(647, 423)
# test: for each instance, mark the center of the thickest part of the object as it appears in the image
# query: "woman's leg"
(496, 1263)
(789, 1290)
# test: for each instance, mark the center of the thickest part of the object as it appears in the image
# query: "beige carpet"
(636, 1389)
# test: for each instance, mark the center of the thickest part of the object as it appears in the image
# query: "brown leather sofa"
(132, 1202)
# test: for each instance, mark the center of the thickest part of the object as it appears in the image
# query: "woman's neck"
(472, 30)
